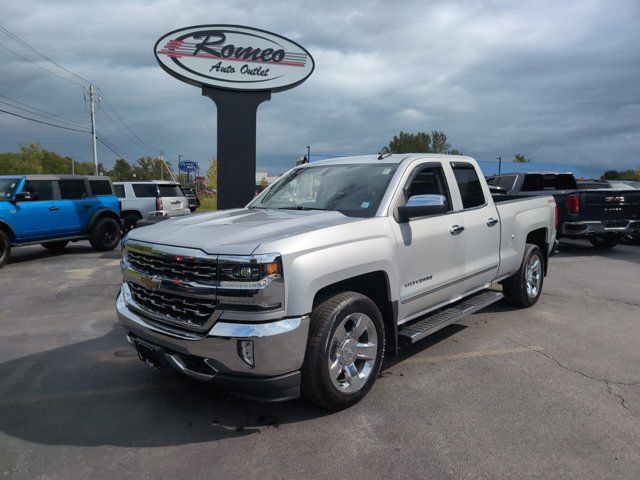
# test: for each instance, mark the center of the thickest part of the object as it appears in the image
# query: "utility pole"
(73, 167)
(499, 164)
(93, 129)
(167, 166)
(308, 153)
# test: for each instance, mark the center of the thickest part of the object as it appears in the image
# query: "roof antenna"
(383, 153)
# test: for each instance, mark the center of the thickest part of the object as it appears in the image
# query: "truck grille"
(187, 312)
(175, 267)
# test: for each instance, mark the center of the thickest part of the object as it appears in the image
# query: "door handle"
(492, 221)
(86, 206)
(456, 230)
(53, 209)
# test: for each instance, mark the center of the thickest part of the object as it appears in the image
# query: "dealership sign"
(233, 58)
(188, 166)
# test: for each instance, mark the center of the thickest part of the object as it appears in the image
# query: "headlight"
(251, 283)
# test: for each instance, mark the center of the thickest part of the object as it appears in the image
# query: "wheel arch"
(102, 214)
(376, 286)
(131, 211)
(539, 237)
(4, 226)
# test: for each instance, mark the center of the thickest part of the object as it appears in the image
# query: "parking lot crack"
(620, 397)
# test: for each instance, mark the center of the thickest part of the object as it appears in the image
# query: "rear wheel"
(105, 234)
(604, 241)
(55, 246)
(5, 248)
(524, 287)
(345, 351)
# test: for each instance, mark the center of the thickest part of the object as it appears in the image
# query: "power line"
(40, 66)
(25, 44)
(43, 122)
(34, 111)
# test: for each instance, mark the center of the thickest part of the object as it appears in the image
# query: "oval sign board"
(234, 58)
(188, 166)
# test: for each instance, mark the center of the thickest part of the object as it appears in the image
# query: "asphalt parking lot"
(548, 392)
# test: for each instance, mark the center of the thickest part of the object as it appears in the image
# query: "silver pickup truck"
(303, 291)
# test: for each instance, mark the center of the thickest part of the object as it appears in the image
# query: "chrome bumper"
(587, 228)
(279, 346)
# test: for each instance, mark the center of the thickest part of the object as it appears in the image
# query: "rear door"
(76, 205)
(173, 200)
(478, 219)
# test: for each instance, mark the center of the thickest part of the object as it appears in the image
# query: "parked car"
(53, 210)
(601, 215)
(192, 198)
(337, 262)
(152, 200)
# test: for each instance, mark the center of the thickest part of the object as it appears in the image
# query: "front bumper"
(278, 349)
(597, 227)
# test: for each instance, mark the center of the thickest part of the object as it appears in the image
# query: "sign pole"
(236, 144)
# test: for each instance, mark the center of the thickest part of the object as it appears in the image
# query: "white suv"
(150, 200)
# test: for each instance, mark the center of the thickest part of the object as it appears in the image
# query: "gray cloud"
(557, 81)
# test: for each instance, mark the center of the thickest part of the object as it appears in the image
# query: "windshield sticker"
(386, 171)
(365, 205)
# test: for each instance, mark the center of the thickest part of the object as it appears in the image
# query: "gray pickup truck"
(303, 291)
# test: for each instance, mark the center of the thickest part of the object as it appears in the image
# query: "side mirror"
(422, 206)
(22, 197)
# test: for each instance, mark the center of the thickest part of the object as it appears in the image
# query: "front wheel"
(105, 234)
(524, 287)
(55, 246)
(5, 248)
(345, 351)
(604, 241)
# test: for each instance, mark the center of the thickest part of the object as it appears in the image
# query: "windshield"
(8, 187)
(354, 190)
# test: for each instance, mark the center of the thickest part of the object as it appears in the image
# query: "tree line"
(33, 159)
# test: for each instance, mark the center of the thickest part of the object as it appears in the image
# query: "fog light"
(245, 351)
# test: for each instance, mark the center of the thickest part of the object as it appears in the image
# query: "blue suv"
(55, 209)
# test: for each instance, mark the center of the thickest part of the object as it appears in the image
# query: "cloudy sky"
(557, 81)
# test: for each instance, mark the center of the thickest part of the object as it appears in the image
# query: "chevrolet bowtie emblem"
(151, 282)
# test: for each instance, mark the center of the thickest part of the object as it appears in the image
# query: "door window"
(39, 189)
(143, 190)
(168, 190)
(100, 187)
(469, 185)
(119, 189)
(72, 189)
(429, 181)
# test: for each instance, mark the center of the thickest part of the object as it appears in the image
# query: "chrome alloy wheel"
(533, 276)
(352, 353)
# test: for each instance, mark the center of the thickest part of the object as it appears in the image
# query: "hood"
(236, 232)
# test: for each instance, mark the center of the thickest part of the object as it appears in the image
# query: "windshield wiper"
(300, 207)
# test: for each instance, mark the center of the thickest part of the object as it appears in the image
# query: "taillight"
(573, 203)
(158, 203)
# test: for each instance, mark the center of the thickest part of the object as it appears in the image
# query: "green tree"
(422, 142)
(520, 158)
(212, 174)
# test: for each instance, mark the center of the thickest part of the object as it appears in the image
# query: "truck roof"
(393, 158)
(155, 182)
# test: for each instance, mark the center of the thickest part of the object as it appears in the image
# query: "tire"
(105, 234)
(524, 287)
(332, 339)
(193, 209)
(604, 241)
(55, 246)
(130, 221)
(5, 248)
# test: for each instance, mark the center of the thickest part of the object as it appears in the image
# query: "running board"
(440, 319)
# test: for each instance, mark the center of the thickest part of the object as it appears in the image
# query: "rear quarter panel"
(519, 218)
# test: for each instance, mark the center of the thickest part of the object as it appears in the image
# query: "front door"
(39, 217)
(431, 258)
